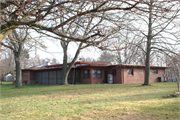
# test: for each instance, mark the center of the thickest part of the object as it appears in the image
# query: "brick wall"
(154, 76)
(117, 77)
(137, 77)
(82, 79)
(25, 76)
(91, 80)
(139, 74)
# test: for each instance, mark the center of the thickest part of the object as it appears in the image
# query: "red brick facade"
(93, 73)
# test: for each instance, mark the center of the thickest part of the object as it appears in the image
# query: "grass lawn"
(100, 101)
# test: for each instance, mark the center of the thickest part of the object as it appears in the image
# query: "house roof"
(76, 65)
(81, 64)
(137, 66)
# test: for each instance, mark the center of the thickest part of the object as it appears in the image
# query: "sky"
(54, 50)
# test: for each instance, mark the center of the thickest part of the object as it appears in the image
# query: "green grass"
(100, 101)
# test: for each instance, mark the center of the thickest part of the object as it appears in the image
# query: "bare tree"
(85, 27)
(29, 13)
(174, 64)
(44, 15)
(24, 12)
(106, 57)
(35, 61)
(1, 51)
(54, 61)
(87, 59)
(7, 64)
(154, 21)
(15, 42)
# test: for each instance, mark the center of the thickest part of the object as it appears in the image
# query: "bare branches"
(10, 47)
(43, 11)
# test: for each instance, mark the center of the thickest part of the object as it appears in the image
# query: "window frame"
(88, 73)
(130, 73)
(97, 74)
(154, 71)
(24, 73)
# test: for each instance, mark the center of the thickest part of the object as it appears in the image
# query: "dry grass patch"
(102, 101)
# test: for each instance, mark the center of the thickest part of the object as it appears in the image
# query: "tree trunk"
(0, 52)
(64, 80)
(149, 38)
(18, 69)
(147, 67)
(64, 67)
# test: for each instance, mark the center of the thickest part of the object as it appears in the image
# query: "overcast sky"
(54, 50)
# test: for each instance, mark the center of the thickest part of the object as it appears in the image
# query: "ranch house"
(92, 73)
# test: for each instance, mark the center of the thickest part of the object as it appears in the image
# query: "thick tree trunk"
(18, 70)
(64, 78)
(64, 68)
(0, 52)
(147, 67)
(149, 38)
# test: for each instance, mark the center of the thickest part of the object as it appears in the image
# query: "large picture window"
(87, 73)
(96, 73)
(130, 71)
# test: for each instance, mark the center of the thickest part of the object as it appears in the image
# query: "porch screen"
(38, 77)
(59, 72)
(71, 77)
(77, 76)
(52, 77)
(44, 77)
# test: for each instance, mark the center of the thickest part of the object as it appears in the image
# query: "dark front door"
(105, 76)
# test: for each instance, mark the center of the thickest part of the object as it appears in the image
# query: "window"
(38, 77)
(59, 72)
(52, 77)
(154, 71)
(114, 72)
(130, 71)
(87, 73)
(44, 77)
(96, 73)
(24, 73)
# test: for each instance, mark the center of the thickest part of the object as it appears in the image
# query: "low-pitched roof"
(89, 64)
(76, 65)
(137, 66)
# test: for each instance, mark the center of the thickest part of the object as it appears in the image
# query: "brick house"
(92, 73)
